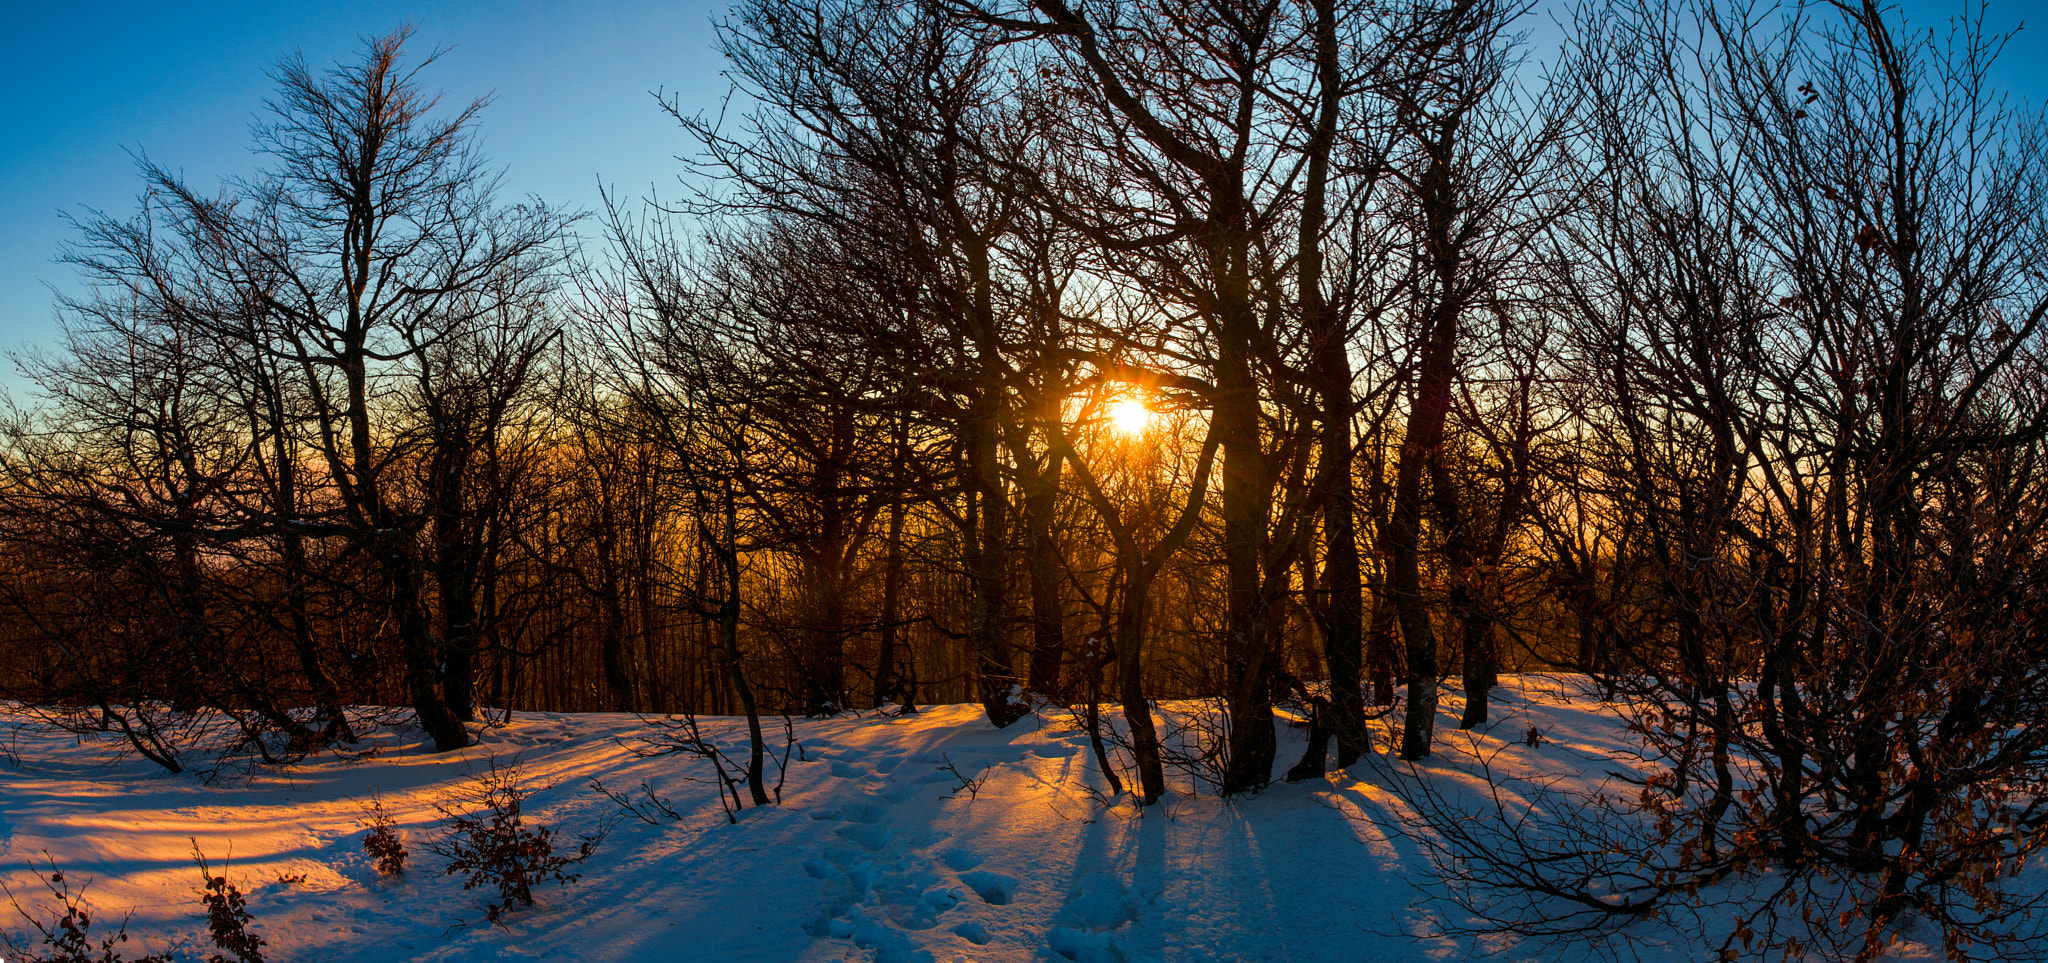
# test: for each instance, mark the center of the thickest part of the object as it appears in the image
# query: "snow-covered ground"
(878, 851)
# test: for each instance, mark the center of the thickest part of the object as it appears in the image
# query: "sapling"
(68, 936)
(383, 843)
(227, 916)
(489, 843)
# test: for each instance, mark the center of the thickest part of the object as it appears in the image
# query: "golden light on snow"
(1129, 415)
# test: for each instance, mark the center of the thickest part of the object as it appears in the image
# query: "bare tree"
(475, 392)
(1808, 301)
(872, 120)
(371, 242)
(1479, 169)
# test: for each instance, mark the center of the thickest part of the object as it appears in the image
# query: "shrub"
(69, 936)
(490, 845)
(383, 842)
(227, 916)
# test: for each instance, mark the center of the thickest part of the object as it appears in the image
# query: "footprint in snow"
(879, 903)
(867, 836)
(880, 895)
(994, 889)
(844, 858)
(1101, 902)
(866, 812)
(1095, 921)
(960, 860)
(1086, 946)
(912, 906)
(905, 793)
(859, 811)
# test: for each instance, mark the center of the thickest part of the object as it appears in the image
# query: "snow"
(880, 850)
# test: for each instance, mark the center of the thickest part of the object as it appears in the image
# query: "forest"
(1316, 356)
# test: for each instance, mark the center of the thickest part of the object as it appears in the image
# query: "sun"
(1130, 416)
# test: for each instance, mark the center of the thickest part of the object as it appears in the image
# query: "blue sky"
(87, 83)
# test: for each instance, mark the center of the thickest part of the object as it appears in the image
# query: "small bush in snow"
(227, 916)
(489, 844)
(383, 843)
(69, 935)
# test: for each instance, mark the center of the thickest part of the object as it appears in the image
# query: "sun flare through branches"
(1129, 415)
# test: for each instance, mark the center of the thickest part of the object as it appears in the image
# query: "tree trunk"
(826, 667)
(326, 696)
(1138, 568)
(456, 576)
(612, 632)
(1001, 692)
(1342, 582)
(1462, 557)
(888, 683)
(1248, 668)
(1048, 623)
(1422, 444)
(416, 647)
(1130, 650)
(729, 638)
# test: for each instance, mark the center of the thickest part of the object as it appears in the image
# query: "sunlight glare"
(1130, 416)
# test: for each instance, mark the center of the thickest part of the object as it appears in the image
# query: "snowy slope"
(877, 853)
